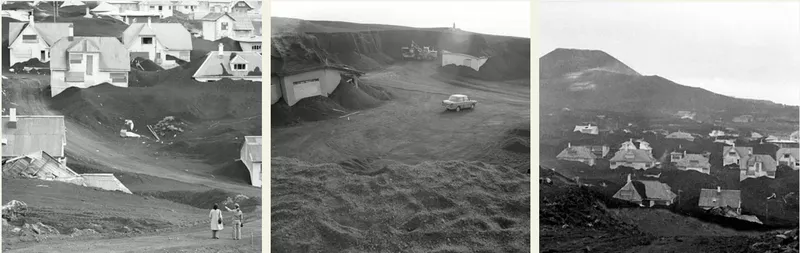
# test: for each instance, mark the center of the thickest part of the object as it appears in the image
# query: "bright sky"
(741, 49)
(510, 18)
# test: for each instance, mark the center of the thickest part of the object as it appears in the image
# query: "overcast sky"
(741, 49)
(510, 18)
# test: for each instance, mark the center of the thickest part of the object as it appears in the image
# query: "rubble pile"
(169, 126)
(777, 242)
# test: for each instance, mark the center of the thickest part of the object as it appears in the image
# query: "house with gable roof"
(251, 157)
(789, 157)
(27, 134)
(237, 65)
(154, 41)
(646, 193)
(28, 40)
(220, 25)
(88, 61)
(695, 162)
(714, 198)
(634, 158)
(757, 166)
(735, 155)
(245, 7)
(577, 154)
(632, 144)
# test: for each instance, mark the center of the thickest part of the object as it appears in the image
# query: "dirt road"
(413, 127)
(196, 239)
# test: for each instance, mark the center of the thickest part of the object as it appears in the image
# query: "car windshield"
(455, 98)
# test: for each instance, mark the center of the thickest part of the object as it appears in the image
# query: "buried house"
(735, 155)
(634, 158)
(465, 60)
(88, 61)
(154, 41)
(695, 162)
(302, 81)
(577, 154)
(646, 193)
(235, 65)
(27, 40)
(251, 157)
(789, 157)
(713, 198)
(27, 134)
(40, 165)
(757, 166)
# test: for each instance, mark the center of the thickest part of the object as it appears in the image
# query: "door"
(89, 64)
(43, 56)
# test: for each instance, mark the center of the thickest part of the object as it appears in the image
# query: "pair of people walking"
(217, 225)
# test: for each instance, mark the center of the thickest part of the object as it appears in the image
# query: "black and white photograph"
(131, 126)
(400, 126)
(668, 126)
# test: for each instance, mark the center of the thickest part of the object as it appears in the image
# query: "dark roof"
(712, 198)
(297, 69)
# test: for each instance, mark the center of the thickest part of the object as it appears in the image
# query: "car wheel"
(458, 109)
(472, 106)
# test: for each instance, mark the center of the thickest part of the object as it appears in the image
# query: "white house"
(31, 39)
(163, 8)
(249, 44)
(637, 144)
(72, 3)
(251, 157)
(789, 157)
(462, 60)
(245, 7)
(309, 81)
(186, 7)
(227, 64)
(27, 134)
(87, 61)
(155, 41)
(214, 6)
(105, 8)
(217, 25)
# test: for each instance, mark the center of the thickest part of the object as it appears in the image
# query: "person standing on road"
(216, 221)
(238, 221)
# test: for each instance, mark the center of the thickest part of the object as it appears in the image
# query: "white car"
(458, 102)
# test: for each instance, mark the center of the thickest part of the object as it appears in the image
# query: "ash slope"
(448, 206)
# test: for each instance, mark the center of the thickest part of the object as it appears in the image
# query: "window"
(224, 26)
(147, 40)
(785, 155)
(152, 7)
(184, 55)
(119, 77)
(160, 8)
(306, 81)
(74, 77)
(258, 47)
(239, 66)
(75, 58)
(29, 39)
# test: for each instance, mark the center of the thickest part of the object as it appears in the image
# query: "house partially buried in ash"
(581, 154)
(28, 40)
(235, 65)
(249, 44)
(757, 166)
(632, 144)
(40, 165)
(587, 128)
(646, 193)
(251, 157)
(735, 155)
(220, 25)
(465, 60)
(695, 162)
(88, 61)
(28, 134)
(156, 41)
(299, 81)
(680, 136)
(789, 157)
(634, 158)
(718, 198)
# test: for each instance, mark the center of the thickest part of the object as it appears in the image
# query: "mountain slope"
(592, 79)
(368, 47)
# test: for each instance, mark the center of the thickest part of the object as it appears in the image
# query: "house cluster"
(33, 147)
(85, 61)
(134, 11)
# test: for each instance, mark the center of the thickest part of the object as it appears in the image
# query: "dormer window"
(147, 40)
(240, 66)
(256, 47)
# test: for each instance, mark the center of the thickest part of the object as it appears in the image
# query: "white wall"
(458, 60)
(248, 46)
(255, 176)
(33, 49)
(328, 81)
(212, 30)
(213, 79)
(276, 89)
(58, 82)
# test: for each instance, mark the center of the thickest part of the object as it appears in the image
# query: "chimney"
(719, 189)
(629, 178)
(569, 145)
(684, 153)
(30, 19)
(219, 52)
(71, 33)
(149, 22)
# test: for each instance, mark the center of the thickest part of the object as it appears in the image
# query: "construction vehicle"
(415, 52)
